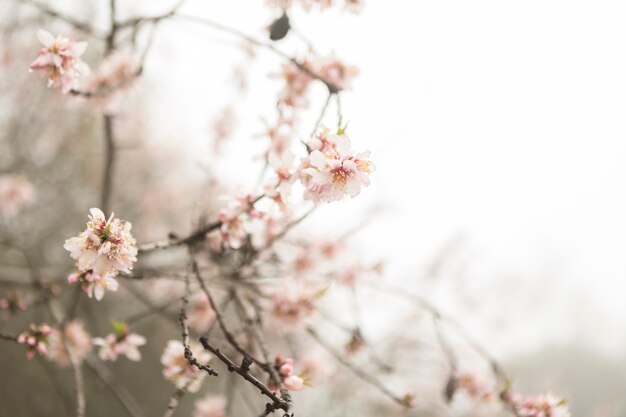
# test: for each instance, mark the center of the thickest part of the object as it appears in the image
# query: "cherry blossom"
(296, 86)
(116, 75)
(60, 60)
(121, 342)
(13, 302)
(335, 71)
(176, 367)
(285, 368)
(335, 171)
(36, 339)
(234, 217)
(106, 247)
(210, 406)
(200, 314)
(16, 193)
(94, 285)
(292, 303)
(75, 335)
(543, 405)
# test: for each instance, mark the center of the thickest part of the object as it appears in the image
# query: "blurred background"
(497, 129)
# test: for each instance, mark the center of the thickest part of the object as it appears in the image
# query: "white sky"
(502, 121)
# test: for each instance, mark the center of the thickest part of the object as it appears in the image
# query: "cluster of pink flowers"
(543, 405)
(210, 406)
(36, 339)
(120, 342)
(16, 193)
(285, 370)
(60, 60)
(176, 367)
(293, 303)
(76, 337)
(116, 75)
(200, 315)
(235, 218)
(333, 170)
(473, 385)
(297, 80)
(102, 251)
(13, 302)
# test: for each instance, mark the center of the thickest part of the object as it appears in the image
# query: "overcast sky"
(499, 121)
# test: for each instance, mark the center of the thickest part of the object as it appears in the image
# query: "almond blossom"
(105, 248)
(60, 60)
(94, 285)
(335, 71)
(210, 406)
(285, 368)
(234, 217)
(178, 369)
(200, 315)
(331, 173)
(13, 302)
(36, 339)
(116, 75)
(543, 405)
(121, 342)
(74, 335)
(16, 193)
(293, 303)
(296, 86)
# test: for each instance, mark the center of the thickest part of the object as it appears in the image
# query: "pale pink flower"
(285, 369)
(235, 217)
(223, 126)
(106, 247)
(76, 337)
(60, 60)
(116, 75)
(121, 342)
(94, 285)
(544, 405)
(210, 406)
(335, 72)
(36, 339)
(16, 193)
(178, 369)
(292, 303)
(13, 302)
(297, 81)
(330, 175)
(200, 314)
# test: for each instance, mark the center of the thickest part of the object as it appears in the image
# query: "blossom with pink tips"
(36, 339)
(116, 75)
(13, 302)
(16, 193)
(74, 335)
(293, 303)
(94, 285)
(235, 217)
(200, 315)
(105, 248)
(210, 406)
(543, 405)
(335, 71)
(296, 87)
(60, 60)
(285, 368)
(121, 342)
(176, 367)
(335, 171)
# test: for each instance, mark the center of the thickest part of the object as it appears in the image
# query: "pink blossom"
(296, 86)
(36, 339)
(293, 303)
(75, 336)
(335, 72)
(60, 60)
(116, 75)
(121, 342)
(200, 314)
(16, 193)
(105, 248)
(223, 126)
(331, 174)
(210, 406)
(13, 302)
(285, 369)
(178, 369)
(94, 285)
(544, 405)
(235, 217)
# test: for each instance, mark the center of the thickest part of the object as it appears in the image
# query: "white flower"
(106, 247)
(178, 369)
(210, 406)
(331, 173)
(122, 342)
